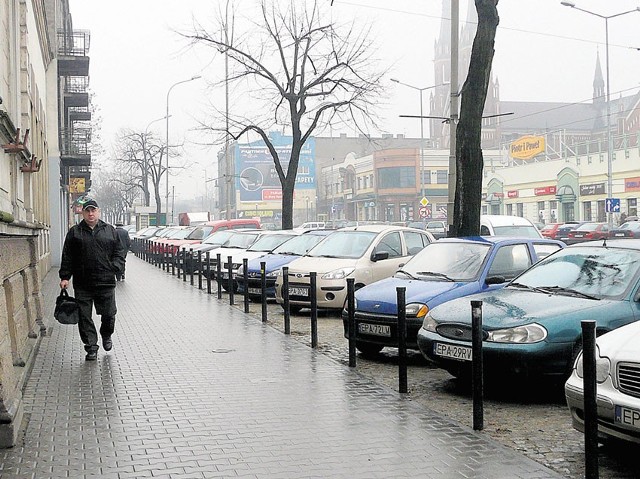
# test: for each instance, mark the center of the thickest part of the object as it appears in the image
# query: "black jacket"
(92, 257)
(124, 238)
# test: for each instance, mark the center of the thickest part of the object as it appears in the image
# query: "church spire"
(598, 83)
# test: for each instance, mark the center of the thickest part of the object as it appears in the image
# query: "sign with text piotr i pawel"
(527, 147)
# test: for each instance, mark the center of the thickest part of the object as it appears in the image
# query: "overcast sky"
(544, 52)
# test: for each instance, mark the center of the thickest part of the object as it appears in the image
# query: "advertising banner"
(256, 176)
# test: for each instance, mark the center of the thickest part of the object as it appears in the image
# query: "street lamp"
(146, 130)
(609, 138)
(167, 138)
(420, 90)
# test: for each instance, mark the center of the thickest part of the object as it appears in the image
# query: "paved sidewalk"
(194, 388)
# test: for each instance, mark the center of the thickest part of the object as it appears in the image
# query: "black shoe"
(91, 356)
(107, 344)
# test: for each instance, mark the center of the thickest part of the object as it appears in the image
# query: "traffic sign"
(424, 212)
(612, 205)
(424, 201)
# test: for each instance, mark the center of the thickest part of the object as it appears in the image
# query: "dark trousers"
(104, 300)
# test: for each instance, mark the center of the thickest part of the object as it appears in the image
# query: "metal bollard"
(208, 273)
(186, 259)
(180, 257)
(263, 289)
(401, 293)
(476, 364)
(219, 275)
(285, 298)
(193, 264)
(351, 331)
(173, 262)
(590, 404)
(245, 278)
(165, 256)
(230, 278)
(314, 309)
(199, 269)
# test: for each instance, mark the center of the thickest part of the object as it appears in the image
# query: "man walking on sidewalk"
(93, 255)
(126, 244)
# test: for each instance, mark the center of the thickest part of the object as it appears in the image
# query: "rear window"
(523, 231)
(544, 250)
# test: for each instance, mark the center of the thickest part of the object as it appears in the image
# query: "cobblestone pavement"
(530, 418)
(195, 389)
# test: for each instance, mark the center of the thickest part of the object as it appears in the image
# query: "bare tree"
(308, 71)
(142, 161)
(114, 191)
(469, 160)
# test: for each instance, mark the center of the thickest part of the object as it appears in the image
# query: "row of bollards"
(183, 262)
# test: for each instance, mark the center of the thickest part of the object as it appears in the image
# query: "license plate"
(628, 416)
(462, 353)
(255, 291)
(578, 236)
(618, 234)
(293, 291)
(375, 329)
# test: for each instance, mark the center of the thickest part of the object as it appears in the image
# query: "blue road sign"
(612, 205)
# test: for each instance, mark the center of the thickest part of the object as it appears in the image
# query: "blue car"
(444, 270)
(281, 256)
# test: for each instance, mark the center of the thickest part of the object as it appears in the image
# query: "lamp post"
(420, 90)
(167, 138)
(609, 137)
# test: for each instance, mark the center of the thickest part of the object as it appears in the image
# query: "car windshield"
(454, 261)
(600, 272)
(588, 227)
(199, 233)
(267, 243)
(631, 225)
(181, 233)
(241, 240)
(299, 245)
(344, 244)
(219, 237)
(435, 226)
(523, 231)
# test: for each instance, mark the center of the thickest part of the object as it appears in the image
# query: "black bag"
(67, 309)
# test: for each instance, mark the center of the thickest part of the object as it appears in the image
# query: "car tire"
(368, 349)
(255, 299)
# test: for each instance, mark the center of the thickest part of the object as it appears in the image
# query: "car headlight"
(429, 324)
(274, 274)
(603, 366)
(338, 273)
(416, 310)
(529, 333)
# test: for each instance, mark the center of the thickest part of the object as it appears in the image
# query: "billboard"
(527, 147)
(256, 176)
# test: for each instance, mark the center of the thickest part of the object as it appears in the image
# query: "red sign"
(424, 211)
(271, 195)
(545, 190)
(513, 194)
(632, 184)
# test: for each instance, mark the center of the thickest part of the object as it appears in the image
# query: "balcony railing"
(74, 44)
(75, 142)
(76, 84)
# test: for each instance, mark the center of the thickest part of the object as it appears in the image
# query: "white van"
(504, 225)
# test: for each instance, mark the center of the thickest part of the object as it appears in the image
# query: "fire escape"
(75, 112)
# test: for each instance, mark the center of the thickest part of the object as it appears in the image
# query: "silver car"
(618, 385)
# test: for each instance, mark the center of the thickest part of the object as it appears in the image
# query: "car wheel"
(293, 309)
(255, 299)
(368, 349)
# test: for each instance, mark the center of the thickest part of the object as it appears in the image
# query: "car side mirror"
(495, 280)
(379, 255)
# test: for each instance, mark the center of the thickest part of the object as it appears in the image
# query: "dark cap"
(90, 204)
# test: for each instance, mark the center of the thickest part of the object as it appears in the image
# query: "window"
(426, 177)
(519, 209)
(443, 177)
(359, 182)
(398, 177)
(390, 243)
(510, 261)
(415, 242)
(543, 250)
(540, 205)
(510, 209)
(586, 211)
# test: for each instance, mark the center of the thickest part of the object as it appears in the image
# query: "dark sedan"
(588, 232)
(630, 229)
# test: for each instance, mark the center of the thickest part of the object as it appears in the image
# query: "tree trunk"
(469, 160)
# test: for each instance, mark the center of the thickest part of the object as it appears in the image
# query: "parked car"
(562, 233)
(437, 228)
(618, 383)
(588, 232)
(532, 325)
(365, 253)
(214, 240)
(630, 229)
(447, 269)
(274, 261)
(505, 225)
(550, 230)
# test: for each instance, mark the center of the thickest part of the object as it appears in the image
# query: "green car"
(532, 325)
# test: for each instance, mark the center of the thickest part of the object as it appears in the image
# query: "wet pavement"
(194, 388)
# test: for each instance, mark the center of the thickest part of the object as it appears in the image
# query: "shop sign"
(513, 194)
(592, 189)
(632, 184)
(527, 147)
(545, 190)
